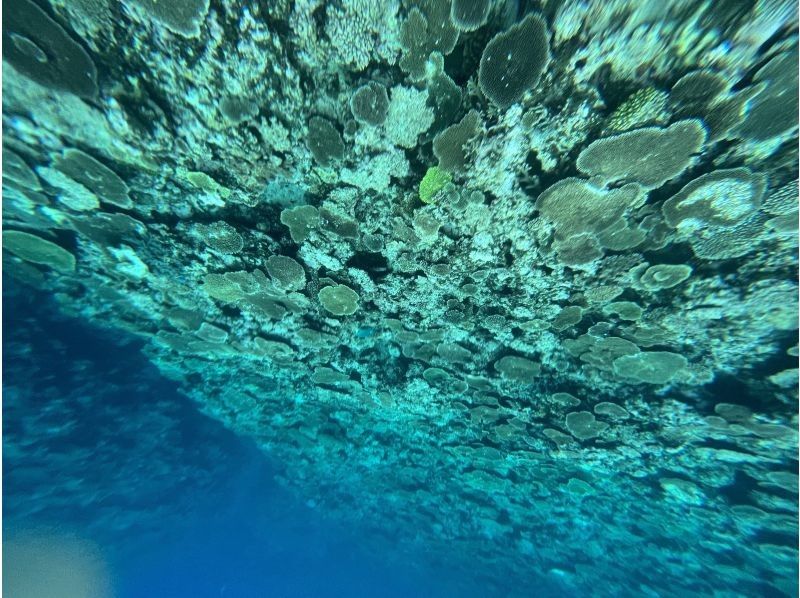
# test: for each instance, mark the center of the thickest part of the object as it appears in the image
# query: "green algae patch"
(433, 182)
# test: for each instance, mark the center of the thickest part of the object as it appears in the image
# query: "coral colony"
(513, 282)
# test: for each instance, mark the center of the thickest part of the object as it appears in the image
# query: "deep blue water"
(195, 528)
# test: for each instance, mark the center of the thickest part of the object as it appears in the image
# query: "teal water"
(110, 471)
(399, 298)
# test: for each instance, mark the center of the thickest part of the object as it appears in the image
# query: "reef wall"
(478, 273)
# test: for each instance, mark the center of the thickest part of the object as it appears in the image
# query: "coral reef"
(475, 276)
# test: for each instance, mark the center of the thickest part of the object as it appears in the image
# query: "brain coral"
(513, 61)
(650, 156)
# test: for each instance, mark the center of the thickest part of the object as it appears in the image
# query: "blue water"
(228, 531)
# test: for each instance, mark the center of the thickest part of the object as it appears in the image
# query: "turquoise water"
(107, 463)
(438, 298)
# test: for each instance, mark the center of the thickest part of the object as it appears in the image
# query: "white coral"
(409, 116)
